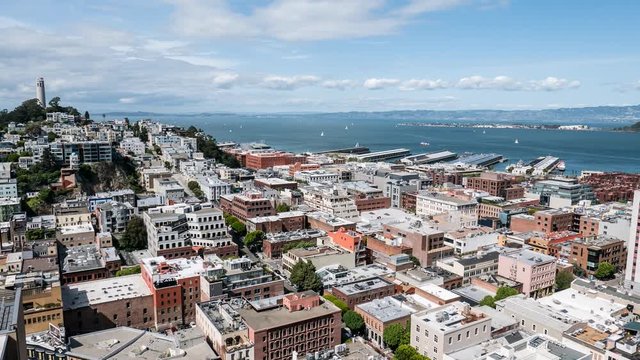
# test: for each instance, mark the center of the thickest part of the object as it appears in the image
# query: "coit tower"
(40, 92)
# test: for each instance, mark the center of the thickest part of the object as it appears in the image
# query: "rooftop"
(81, 258)
(530, 257)
(280, 316)
(295, 235)
(362, 286)
(385, 310)
(439, 292)
(88, 293)
(453, 316)
(162, 269)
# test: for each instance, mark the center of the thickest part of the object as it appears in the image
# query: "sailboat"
(346, 127)
(322, 133)
(357, 144)
(484, 131)
(516, 141)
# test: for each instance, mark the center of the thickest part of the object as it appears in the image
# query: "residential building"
(366, 196)
(471, 266)
(536, 272)
(304, 323)
(319, 256)
(470, 239)
(170, 190)
(332, 200)
(379, 314)
(267, 159)
(88, 262)
(281, 222)
(273, 246)
(231, 278)
(351, 241)
(589, 252)
(71, 213)
(327, 222)
(175, 287)
(85, 151)
(76, 235)
(449, 328)
(362, 291)
(132, 145)
(8, 188)
(213, 188)
(276, 183)
(632, 271)
(496, 184)
(246, 206)
(433, 203)
(316, 176)
(107, 303)
(114, 216)
(121, 196)
(225, 329)
(8, 208)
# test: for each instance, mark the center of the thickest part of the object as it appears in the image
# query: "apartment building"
(332, 200)
(274, 244)
(281, 222)
(351, 241)
(496, 184)
(536, 272)
(471, 266)
(362, 291)
(433, 203)
(319, 256)
(82, 151)
(114, 216)
(589, 252)
(212, 187)
(449, 328)
(247, 205)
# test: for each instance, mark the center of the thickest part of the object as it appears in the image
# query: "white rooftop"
(105, 290)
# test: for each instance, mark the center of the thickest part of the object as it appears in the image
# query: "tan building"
(496, 184)
(42, 303)
(379, 314)
(589, 252)
(449, 328)
(362, 291)
(102, 304)
(76, 235)
(246, 206)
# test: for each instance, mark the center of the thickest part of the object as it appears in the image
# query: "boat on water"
(561, 166)
(516, 142)
(322, 133)
(484, 131)
(346, 127)
(424, 143)
(357, 144)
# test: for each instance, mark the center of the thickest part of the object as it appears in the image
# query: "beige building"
(76, 235)
(442, 330)
(320, 257)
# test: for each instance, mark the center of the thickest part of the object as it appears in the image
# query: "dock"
(429, 158)
(350, 150)
(383, 155)
(479, 159)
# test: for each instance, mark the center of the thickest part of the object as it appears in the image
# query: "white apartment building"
(332, 200)
(433, 203)
(632, 272)
(316, 176)
(133, 145)
(212, 187)
(8, 188)
(449, 328)
(206, 227)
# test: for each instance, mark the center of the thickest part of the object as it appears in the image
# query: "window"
(459, 337)
(450, 340)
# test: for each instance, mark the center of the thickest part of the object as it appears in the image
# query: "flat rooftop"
(88, 293)
(362, 286)
(75, 229)
(295, 235)
(530, 257)
(452, 316)
(385, 310)
(281, 316)
(439, 292)
(163, 269)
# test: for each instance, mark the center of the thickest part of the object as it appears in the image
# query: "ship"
(516, 142)
(322, 133)
(561, 166)
(424, 143)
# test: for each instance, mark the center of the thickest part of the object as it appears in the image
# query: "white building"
(8, 188)
(169, 190)
(133, 145)
(212, 187)
(316, 176)
(470, 239)
(632, 272)
(449, 328)
(433, 203)
(332, 200)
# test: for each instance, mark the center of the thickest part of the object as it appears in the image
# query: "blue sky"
(329, 55)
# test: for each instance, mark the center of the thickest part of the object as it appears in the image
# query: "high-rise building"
(632, 273)
(40, 92)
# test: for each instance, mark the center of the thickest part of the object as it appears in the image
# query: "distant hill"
(594, 114)
(632, 128)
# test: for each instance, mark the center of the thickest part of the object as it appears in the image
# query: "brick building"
(362, 291)
(275, 243)
(269, 159)
(246, 206)
(589, 252)
(281, 222)
(496, 184)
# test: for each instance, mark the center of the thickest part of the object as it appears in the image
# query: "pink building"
(536, 271)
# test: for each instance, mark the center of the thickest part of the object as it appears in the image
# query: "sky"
(190, 56)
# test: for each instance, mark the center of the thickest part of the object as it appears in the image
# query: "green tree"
(337, 302)
(395, 335)
(605, 271)
(304, 277)
(282, 208)
(129, 271)
(505, 292)
(157, 149)
(415, 261)
(353, 321)
(51, 136)
(408, 352)
(168, 165)
(239, 228)
(578, 270)
(48, 161)
(87, 116)
(488, 301)
(253, 240)
(298, 245)
(33, 129)
(195, 189)
(563, 280)
(135, 235)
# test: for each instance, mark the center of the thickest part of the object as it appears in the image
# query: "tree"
(47, 161)
(86, 115)
(563, 280)
(353, 321)
(168, 165)
(304, 277)
(239, 228)
(135, 235)
(408, 352)
(395, 335)
(282, 208)
(128, 271)
(51, 136)
(195, 189)
(253, 240)
(55, 102)
(488, 301)
(605, 271)
(415, 261)
(337, 302)
(578, 270)
(505, 292)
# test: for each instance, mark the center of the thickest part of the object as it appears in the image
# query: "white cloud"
(225, 80)
(288, 82)
(339, 84)
(127, 100)
(507, 83)
(423, 84)
(300, 20)
(376, 84)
